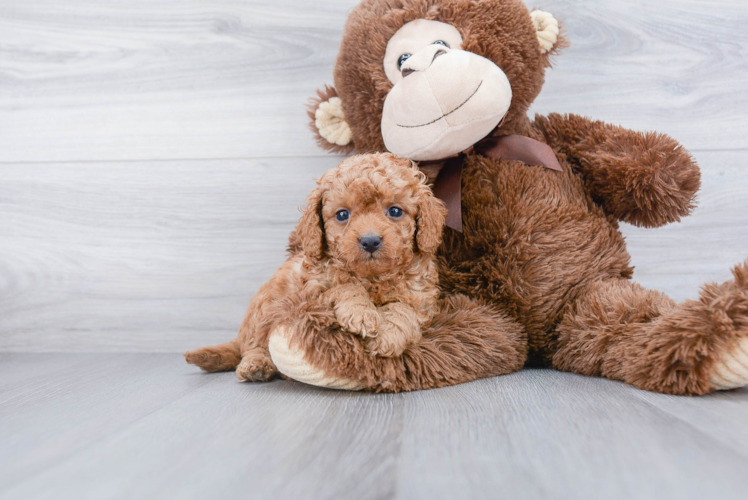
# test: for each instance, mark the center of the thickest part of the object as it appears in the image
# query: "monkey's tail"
(219, 358)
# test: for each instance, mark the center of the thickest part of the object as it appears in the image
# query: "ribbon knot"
(448, 184)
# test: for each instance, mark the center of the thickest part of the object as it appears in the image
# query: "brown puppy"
(364, 247)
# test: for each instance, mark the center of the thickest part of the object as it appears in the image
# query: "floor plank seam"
(320, 155)
(723, 444)
(60, 462)
(112, 355)
(175, 160)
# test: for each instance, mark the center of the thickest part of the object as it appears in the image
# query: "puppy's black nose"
(370, 243)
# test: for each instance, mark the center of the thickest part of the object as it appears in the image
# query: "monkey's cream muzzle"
(444, 99)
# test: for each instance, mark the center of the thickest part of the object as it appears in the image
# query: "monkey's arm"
(646, 179)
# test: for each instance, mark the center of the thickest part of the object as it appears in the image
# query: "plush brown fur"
(543, 247)
(619, 330)
(466, 341)
(385, 296)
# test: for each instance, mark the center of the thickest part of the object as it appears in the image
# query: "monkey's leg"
(465, 341)
(620, 330)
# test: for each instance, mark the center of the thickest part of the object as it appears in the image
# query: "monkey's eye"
(401, 60)
(441, 42)
(342, 215)
(395, 212)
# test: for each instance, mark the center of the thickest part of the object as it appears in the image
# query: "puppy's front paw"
(391, 341)
(362, 321)
(256, 367)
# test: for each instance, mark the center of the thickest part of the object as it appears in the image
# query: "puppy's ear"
(328, 121)
(430, 221)
(310, 231)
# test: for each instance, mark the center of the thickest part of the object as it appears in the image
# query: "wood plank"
(280, 430)
(22, 372)
(162, 79)
(532, 434)
(547, 434)
(141, 256)
(51, 416)
(670, 66)
(84, 80)
(721, 415)
(164, 256)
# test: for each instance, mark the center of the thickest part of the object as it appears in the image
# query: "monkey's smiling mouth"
(446, 114)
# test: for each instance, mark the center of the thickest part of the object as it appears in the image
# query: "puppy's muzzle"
(370, 242)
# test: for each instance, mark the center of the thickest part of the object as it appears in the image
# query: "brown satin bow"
(448, 184)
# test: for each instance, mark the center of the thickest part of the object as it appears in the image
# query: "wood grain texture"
(162, 253)
(673, 66)
(85, 80)
(141, 256)
(64, 404)
(164, 256)
(162, 79)
(150, 426)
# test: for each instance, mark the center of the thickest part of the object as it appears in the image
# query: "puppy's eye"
(395, 212)
(441, 42)
(342, 215)
(401, 60)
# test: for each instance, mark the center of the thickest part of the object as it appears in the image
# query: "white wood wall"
(154, 153)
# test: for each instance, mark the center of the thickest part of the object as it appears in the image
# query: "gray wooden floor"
(153, 154)
(148, 426)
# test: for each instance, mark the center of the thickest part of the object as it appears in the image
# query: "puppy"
(364, 247)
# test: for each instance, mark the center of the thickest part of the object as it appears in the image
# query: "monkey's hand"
(646, 179)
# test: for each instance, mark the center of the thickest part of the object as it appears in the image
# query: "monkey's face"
(444, 99)
(427, 79)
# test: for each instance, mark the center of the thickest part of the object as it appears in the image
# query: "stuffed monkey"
(534, 207)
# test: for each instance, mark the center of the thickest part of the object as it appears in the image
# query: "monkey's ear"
(328, 122)
(310, 231)
(548, 32)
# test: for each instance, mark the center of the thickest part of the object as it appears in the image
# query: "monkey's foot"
(291, 363)
(732, 371)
